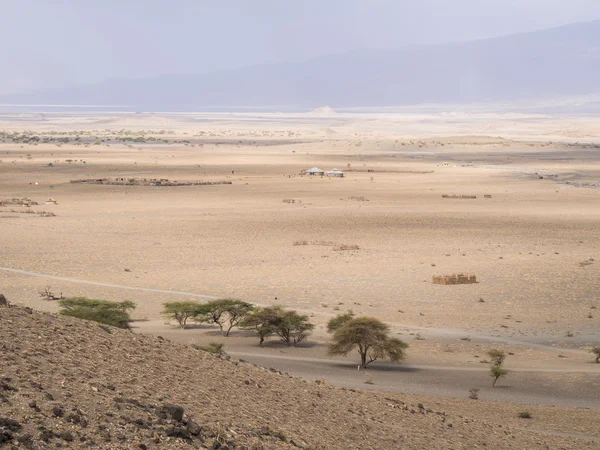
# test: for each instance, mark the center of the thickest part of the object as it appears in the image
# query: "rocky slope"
(71, 383)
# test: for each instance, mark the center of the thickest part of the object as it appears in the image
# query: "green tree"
(497, 357)
(226, 313)
(370, 337)
(261, 320)
(339, 321)
(496, 372)
(292, 327)
(496, 369)
(115, 314)
(183, 311)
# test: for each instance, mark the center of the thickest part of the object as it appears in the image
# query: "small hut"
(334, 173)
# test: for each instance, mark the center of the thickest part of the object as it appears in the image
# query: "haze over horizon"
(67, 43)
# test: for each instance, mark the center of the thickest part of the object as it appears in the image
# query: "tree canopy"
(339, 321)
(106, 312)
(184, 311)
(226, 313)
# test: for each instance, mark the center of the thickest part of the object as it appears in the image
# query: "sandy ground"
(526, 244)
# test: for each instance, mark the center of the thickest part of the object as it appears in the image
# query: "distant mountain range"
(555, 63)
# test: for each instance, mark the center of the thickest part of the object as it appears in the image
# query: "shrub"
(105, 312)
(183, 311)
(339, 321)
(213, 347)
(525, 415)
(474, 393)
(596, 351)
(370, 337)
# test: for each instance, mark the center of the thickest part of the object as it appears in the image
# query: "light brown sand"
(525, 244)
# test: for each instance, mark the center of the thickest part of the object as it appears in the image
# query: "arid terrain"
(370, 242)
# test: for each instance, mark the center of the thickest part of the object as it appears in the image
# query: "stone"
(175, 412)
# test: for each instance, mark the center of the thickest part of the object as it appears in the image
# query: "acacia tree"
(226, 313)
(290, 326)
(496, 369)
(370, 337)
(262, 321)
(110, 313)
(183, 311)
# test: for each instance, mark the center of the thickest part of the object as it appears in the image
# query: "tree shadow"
(374, 367)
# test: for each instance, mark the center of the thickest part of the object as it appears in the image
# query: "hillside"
(556, 63)
(66, 382)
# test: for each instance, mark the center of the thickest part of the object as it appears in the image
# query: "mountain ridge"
(556, 62)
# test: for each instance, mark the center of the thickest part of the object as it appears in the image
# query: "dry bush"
(291, 200)
(36, 213)
(474, 393)
(302, 242)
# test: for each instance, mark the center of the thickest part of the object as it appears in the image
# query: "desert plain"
(369, 242)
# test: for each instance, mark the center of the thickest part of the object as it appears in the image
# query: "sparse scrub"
(474, 394)
(525, 415)
(302, 242)
(370, 337)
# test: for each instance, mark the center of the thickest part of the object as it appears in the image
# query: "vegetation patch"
(115, 314)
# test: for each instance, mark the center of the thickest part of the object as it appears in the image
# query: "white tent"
(315, 171)
(334, 173)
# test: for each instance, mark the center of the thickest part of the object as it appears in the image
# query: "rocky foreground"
(71, 383)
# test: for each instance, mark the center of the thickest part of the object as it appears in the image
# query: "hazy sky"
(46, 43)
